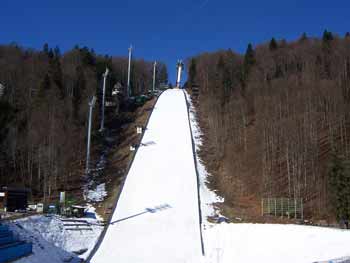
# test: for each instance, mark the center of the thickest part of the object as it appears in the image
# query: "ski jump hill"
(157, 215)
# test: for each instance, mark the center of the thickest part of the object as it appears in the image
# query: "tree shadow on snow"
(147, 210)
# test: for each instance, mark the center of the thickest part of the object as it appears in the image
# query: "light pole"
(91, 105)
(129, 70)
(103, 99)
(154, 76)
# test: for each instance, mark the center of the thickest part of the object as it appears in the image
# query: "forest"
(44, 99)
(276, 123)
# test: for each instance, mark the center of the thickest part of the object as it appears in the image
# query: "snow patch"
(52, 239)
(43, 250)
(92, 191)
(275, 243)
(208, 197)
(97, 194)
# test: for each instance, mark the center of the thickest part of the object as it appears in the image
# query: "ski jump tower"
(179, 67)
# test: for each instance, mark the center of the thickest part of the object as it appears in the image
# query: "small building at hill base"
(13, 199)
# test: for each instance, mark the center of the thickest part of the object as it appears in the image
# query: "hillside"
(44, 110)
(272, 120)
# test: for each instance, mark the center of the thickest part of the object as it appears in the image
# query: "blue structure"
(10, 247)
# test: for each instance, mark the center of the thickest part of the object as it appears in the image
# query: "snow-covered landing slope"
(157, 217)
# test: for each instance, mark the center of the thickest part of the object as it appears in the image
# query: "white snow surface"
(157, 215)
(97, 194)
(43, 250)
(248, 243)
(274, 243)
(52, 242)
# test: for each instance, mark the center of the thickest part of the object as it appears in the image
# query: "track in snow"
(157, 215)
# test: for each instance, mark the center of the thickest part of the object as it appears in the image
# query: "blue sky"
(166, 30)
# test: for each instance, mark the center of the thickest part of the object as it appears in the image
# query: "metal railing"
(283, 207)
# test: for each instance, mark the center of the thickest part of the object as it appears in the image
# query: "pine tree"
(79, 87)
(50, 54)
(223, 78)
(56, 76)
(327, 51)
(87, 57)
(327, 36)
(192, 71)
(55, 71)
(273, 44)
(248, 63)
(303, 37)
(339, 182)
(43, 88)
(249, 57)
(7, 114)
(46, 48)
(57, 52)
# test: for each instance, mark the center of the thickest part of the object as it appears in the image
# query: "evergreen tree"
(223, 77)
(87, 57)
(347, 35)
(7, 114)
(327, 36)
(46, 48)
(249, 57)
(339, 182)
(43, 88)
(303, 37)
(327, 51)
(50, 54)
(192, 71)
(248, 62)
(55, 73)
(57, 52)
(79, 87)
(273, 44)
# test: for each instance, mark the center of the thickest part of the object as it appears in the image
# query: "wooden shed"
(12, 199)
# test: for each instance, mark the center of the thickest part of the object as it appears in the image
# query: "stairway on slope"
(11, 248)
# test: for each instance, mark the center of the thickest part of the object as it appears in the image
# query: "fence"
(289, 207)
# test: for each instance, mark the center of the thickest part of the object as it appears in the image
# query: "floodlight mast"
(91, 106)
(128, 93)
(103, 99)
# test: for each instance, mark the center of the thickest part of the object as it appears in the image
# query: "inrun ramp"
(157, 215)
